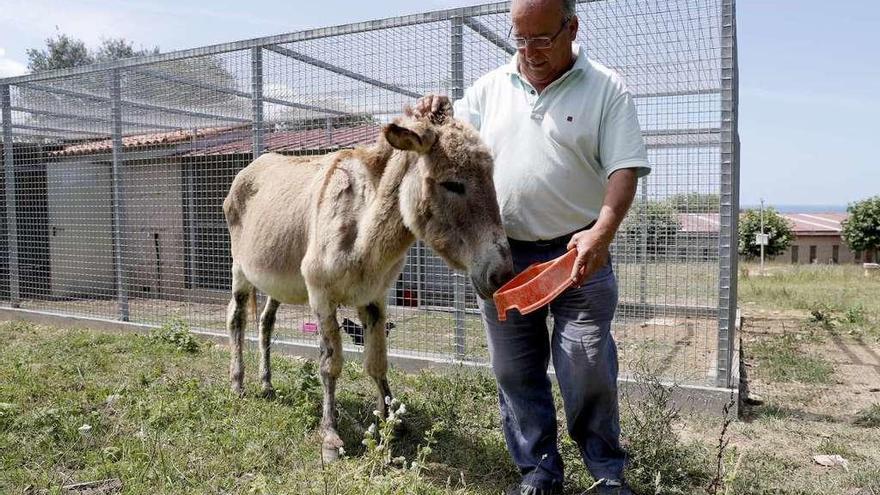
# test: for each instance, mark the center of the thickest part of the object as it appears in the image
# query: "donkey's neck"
(383, 234)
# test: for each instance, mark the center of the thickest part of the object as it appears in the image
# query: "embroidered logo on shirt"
(570, 118)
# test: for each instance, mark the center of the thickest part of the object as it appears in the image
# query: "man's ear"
(410, 135)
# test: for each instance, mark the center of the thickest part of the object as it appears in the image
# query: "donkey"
(333, 230)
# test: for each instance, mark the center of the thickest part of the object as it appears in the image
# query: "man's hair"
(569, 8)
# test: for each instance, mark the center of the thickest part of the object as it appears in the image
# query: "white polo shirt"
(554, 151)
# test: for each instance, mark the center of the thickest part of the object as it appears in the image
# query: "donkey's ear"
(411, 136)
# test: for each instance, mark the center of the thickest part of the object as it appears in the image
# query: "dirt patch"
(855, 381)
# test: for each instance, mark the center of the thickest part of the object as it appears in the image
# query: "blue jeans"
(585, 360)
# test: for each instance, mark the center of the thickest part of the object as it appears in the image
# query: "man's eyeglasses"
(538, 42)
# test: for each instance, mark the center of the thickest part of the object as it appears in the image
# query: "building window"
(812, 254)
(835, 253)
(794, 253)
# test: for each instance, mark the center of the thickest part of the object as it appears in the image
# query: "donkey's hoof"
(329, 454)
(268, 393)
(237, 390)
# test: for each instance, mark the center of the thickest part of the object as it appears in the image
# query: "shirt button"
(533, 91)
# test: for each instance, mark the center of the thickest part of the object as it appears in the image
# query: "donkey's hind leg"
(267, 323)
(236, 320)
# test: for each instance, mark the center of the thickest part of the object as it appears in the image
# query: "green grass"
(841, 294)
(869, 417)
(162, 420)
(780, 359)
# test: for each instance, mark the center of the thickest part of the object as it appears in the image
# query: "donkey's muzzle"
(492, 270)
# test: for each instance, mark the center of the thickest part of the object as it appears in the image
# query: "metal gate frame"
(458, 19)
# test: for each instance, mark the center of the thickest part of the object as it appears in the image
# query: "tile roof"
(298, 140)
(141, 141)
(801, 223)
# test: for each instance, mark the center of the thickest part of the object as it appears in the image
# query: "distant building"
(816, 238)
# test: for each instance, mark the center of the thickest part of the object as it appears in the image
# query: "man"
(568, 152)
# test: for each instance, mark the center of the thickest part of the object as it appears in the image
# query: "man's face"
(543, 18)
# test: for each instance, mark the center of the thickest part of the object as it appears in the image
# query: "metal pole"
(116, 170)
(734, 177)
(643, 249)
(11, 213)
(729, 204)
(192, 267)
(456, 40)
(257, 99)
(341, 71)
(762, 236)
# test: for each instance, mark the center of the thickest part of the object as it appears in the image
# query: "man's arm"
(593, 244)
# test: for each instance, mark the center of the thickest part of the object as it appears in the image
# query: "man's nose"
(533, 54)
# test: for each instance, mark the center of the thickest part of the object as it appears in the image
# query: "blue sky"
(809, 71)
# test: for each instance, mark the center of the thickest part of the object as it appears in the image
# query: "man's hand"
(435, 107)
(592, 249)
(593, 244)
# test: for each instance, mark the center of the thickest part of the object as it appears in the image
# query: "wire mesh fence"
(114, 175)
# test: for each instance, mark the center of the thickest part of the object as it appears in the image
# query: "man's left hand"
(592, 249)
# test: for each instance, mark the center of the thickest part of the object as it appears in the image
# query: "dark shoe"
(613, 487)
(520, 489)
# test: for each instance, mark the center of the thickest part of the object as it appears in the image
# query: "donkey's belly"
(285, 288)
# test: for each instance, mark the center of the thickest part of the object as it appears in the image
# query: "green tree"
(120, 48)
(64, 52)
(159, 83)
(861, 231)
(653, 225)
(775, 225)
(61, 52)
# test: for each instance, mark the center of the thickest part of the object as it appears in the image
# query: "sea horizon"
(799, 208)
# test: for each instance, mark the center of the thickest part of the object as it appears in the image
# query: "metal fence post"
(189, 185)
(116, 170)
(643, 250)
(456, 40)
(257, 99)
(729, 207)
(11, 206)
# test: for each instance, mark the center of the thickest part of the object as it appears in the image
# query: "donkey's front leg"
(372, 317)
(331, 367)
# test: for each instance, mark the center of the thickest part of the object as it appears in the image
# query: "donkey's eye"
(451, 186)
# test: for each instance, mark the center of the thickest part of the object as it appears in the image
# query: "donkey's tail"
(252, 304)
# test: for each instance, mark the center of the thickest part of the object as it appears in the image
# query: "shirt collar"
(580, 62)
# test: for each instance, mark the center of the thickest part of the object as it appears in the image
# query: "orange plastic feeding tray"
(536, 286)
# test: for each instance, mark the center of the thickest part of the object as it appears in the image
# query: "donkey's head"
(448, 198)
